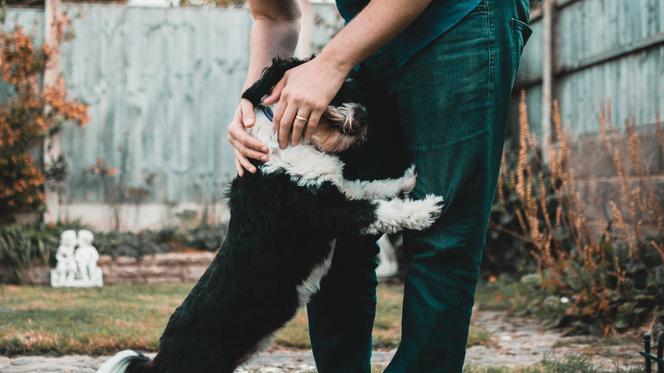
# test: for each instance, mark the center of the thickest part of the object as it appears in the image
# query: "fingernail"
(264, 158)
(265, 149)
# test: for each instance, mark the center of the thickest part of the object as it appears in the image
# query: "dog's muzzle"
(351, 118)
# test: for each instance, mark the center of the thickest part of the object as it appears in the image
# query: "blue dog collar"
(267, 111)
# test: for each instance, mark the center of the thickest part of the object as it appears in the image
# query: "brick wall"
(599, 181)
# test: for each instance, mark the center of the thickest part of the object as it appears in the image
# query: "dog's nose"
(359, 119)
(361, 115)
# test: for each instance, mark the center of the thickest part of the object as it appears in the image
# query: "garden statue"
(86, 259)
(76, 267)
(388, 265)
(65, 269)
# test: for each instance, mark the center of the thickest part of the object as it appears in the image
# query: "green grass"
(42, 320)
(503, 295)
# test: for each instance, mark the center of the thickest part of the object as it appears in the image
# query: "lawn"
(42, 320)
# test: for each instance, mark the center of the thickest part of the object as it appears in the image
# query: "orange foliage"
(30, 115)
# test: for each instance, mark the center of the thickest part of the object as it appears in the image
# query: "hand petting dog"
(244, 145)
(303, 95)
(301, 98)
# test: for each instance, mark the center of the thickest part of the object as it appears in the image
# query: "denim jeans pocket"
(522, 33)
(482, 7)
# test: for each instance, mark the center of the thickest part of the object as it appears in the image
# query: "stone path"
(515, 342)
(518, 341)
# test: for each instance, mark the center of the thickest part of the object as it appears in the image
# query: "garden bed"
(172, 254)
(150, 269)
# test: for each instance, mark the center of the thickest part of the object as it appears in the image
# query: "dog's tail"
(128, 361)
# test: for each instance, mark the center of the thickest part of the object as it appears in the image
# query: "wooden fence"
(162, 84)
(596, 49)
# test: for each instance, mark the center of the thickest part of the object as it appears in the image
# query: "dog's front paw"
(398, 214)
(408, 180)
(426, 212)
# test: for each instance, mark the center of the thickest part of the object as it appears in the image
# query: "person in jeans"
(438, 77)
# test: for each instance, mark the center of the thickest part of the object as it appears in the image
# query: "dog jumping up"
(284, 221)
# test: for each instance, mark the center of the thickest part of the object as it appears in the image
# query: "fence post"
(51, 147)
(646, 352)
(660, 352)
(548, 7)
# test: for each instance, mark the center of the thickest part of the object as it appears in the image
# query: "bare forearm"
(374, 26)
(273, 34)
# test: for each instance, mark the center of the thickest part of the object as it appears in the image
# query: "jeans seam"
(490, 30)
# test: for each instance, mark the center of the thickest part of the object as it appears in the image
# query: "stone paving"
(515, 342)
(518, 341)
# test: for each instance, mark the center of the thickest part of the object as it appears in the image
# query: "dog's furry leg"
(349, 217)
(398, 214)
(381, 189)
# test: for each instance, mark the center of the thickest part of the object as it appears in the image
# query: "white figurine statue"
(86, 256)
(388, 265)
(65, 269)
(77, 268)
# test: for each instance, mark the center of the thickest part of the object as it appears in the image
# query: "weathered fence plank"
(611, 49)
(162, 84)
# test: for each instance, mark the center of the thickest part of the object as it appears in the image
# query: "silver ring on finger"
(301, 118)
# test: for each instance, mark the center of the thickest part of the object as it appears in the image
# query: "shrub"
(32, 113)
(506, 252)
(614, 278)
(25, 245)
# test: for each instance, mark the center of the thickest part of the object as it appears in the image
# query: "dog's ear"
(270, 77)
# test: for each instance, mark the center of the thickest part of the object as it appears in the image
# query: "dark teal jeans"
(445, 110)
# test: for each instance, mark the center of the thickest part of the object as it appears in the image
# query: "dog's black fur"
(278, 233)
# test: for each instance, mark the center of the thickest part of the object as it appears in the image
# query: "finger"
(238, 167)
(276, 92)
(247, 152)
(285, 125)
(244, 162)
(248, 115)
(314, 119)
(239, 135)
(278, 113)
(298, 127)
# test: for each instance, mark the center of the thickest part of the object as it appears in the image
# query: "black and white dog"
(280, 243)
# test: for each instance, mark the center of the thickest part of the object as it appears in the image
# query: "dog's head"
(344, 123)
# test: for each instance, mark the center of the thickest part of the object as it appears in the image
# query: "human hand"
(303, 95)
(244, 145)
